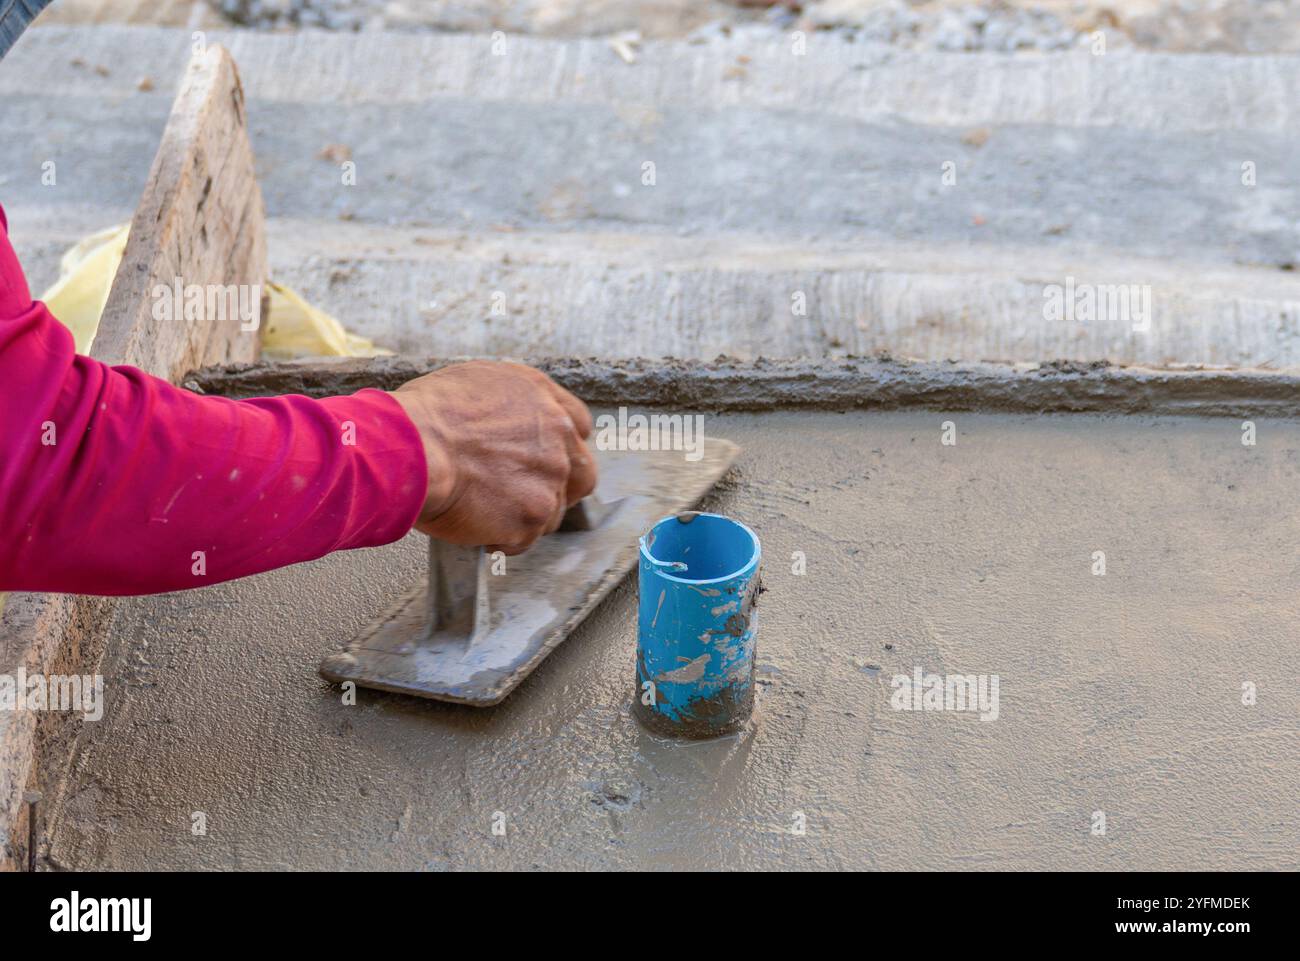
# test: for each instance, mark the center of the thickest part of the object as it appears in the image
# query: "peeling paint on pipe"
(697, 626)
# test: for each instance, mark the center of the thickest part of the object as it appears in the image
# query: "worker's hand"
(505, 449)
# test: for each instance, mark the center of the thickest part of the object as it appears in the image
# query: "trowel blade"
(539, 598)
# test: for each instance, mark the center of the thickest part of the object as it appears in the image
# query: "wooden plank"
(200, 221)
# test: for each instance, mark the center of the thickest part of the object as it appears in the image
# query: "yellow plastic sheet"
(291, 328)
(294, 328)
(85, 275)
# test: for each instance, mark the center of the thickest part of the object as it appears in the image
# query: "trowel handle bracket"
(458, 576)
(458, 591)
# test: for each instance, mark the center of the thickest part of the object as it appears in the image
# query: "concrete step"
(616, 295)
(1141, 91)
(1139, 152)
(774, 174)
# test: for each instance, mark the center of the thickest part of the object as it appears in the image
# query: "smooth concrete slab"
(1120, 693)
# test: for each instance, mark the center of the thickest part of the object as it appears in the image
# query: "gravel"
(1008, 26)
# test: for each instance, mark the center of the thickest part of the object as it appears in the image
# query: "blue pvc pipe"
(697, 625)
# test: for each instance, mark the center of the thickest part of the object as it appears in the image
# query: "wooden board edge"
(200, 224)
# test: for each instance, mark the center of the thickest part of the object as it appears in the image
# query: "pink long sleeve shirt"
(115, 482)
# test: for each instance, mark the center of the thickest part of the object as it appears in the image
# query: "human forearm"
(114, 482)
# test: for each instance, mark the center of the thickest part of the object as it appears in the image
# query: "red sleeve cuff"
(391, 471)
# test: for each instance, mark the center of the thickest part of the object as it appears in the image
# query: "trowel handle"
(458, 576)
(458, 591)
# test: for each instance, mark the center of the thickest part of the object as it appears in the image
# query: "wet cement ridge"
(876, 383)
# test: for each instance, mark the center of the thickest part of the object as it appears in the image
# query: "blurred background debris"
(1185, 26)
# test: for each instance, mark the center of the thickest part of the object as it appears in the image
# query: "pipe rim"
(745, 570)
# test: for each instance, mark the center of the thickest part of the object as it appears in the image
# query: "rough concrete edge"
(880, 382)
(52, 634)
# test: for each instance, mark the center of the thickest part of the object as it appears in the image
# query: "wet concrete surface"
(1120, 693)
